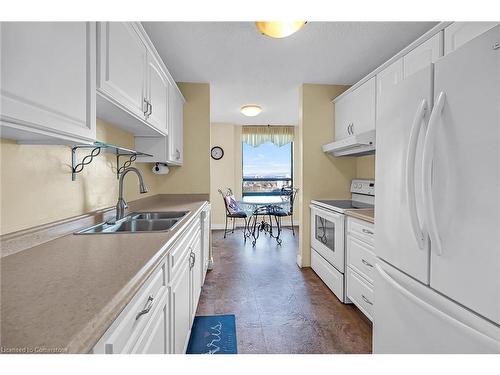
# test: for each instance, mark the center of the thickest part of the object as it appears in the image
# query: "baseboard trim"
(299, 260)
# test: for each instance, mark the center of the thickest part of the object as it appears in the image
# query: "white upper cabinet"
(387, 78)
(131, 82)
(459, 33)
(176, 127)
(166, 149)
(423, 55)
(157, 95)
(355, 112)
(48, 82)
(122, 61)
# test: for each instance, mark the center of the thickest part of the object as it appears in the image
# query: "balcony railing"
(265, 185)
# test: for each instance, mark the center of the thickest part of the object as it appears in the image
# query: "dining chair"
(233, 211)
(287, 194)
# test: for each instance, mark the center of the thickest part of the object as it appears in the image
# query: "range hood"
(355, 145)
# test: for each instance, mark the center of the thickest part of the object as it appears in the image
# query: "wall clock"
(217, 152)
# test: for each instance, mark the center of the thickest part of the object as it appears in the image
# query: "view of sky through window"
(267, 161)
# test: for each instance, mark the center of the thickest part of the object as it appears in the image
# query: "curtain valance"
(257, 135)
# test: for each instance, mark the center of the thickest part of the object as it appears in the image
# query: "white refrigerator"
(437, 206)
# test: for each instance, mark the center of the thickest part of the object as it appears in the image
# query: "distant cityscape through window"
(267, 168)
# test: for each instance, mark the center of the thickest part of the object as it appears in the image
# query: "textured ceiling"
(245, 67)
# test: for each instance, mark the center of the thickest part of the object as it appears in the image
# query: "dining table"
(259, 208)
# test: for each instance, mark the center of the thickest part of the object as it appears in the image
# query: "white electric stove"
(328, 222)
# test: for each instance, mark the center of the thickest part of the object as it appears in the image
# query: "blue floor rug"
(213, 334)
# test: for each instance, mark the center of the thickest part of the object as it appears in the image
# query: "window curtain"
(257, 135)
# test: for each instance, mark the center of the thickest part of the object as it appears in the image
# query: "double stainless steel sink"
(139, 222)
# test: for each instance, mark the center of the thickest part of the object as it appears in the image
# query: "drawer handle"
(366, 263)
(149, 304)
(366, 300)
(367, 231)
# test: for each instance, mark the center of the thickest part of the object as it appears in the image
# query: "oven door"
(327, 236)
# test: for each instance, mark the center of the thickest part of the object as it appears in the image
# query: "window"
(267, 168)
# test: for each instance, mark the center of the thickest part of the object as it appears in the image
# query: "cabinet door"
(158, 95)
(206, 242)
(196, 274)
(362, 107)
(425, 54)
(181, 306)
(155, 339)
(176, 128)
(459, 33)
(180, 128)
(387, 79)
(342, 119)
(122, 64)
(48, 79)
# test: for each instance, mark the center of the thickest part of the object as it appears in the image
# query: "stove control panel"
(366, 187)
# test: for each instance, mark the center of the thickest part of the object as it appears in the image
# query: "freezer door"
(403, 112)
(463, 142)
(409, 317)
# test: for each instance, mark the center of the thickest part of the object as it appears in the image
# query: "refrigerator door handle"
(410, 172)
(428, 155)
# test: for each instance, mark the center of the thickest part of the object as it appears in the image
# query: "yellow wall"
(227, 172)
(223, 172)
(365, 167)
(194, 175)
(322, 176)
(36, 186)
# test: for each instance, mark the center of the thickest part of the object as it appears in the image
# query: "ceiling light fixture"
(276, 29)
(251, 110)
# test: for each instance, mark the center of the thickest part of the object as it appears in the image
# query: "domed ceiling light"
(251, 110)
(276, 29)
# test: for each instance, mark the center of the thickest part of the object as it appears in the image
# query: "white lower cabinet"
(205, 237)
(159, 318)
(181, 308)
(155, 338)
(360, 264)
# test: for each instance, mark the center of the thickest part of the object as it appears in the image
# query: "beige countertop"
(363, 214)
(62, 295)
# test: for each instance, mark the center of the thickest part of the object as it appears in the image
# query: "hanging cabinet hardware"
(496, 45)
(96, 149)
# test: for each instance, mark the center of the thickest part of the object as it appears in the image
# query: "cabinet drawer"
(361, 229)
(181, 248)
(155, 336)
(360, 257)
(360, 293)
(128, 326)
(329, 274)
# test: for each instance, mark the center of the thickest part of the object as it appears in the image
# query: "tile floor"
(279, 307)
